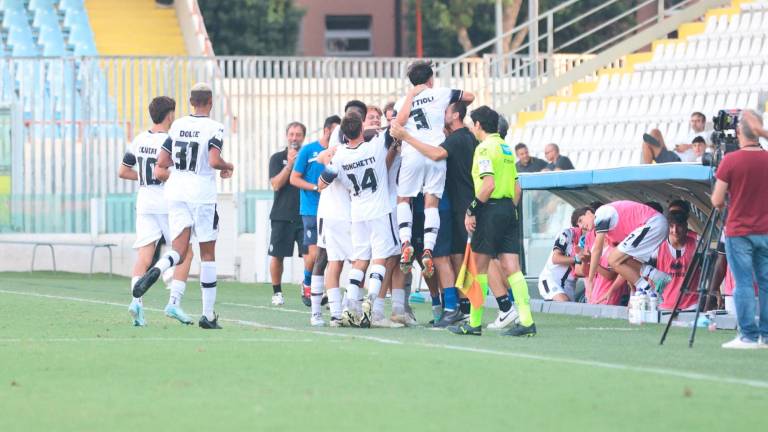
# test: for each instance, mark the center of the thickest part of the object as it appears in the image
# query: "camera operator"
(742, 175)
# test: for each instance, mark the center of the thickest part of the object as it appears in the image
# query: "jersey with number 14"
(192, 178)
(363, 171)
(427, 118)
(142, 157)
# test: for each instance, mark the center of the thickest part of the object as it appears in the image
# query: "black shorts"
(310, 230)
(497, 230)
(444, 236)
(284, 235)
(458, 233)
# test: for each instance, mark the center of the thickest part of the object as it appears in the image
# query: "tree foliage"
(252, 27)
(451, 27)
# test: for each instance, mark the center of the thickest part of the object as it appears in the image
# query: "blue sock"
(451, 298)
(511, 297)
(307, 277)
(436, 300)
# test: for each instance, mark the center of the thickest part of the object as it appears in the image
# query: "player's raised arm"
(467, 97)
(405, 110)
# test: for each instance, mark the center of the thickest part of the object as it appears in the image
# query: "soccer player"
(306, 172)
(492, 218)
(457, 150)
(285, 220)
(333, 214)
(361, 166)
(151, 211)
(422, 113)
(557, 279)
(635, 231)
(190, 190)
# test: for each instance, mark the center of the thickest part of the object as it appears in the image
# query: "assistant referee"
(492, 220)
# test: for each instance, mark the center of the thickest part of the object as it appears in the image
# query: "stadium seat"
(19, 36)
(80, 35)
(36, 5)
(11, 5)
(15, 18)
(75, 18)
(71, 5)
(45, 17)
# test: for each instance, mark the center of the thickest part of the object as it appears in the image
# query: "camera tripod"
(704, 262)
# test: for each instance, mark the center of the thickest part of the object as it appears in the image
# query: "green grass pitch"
(71, 361)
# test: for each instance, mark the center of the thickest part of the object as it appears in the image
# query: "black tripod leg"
(701, 248)
(706, 272)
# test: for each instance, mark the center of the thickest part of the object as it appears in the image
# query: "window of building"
(348, 35)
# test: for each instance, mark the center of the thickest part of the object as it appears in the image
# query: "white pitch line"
(567, 360)
(269, 308)
(607, 329)
(149, 339)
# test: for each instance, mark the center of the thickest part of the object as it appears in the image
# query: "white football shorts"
(642, 243)
(334, 236)
(202, 218)
(419, 174)
(375, 239)
(149, 229)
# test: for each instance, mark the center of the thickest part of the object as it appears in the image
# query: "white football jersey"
(192, 178)
(427, 118)
(334, 199)
(363, 171)
(142, 157)
(560, 273)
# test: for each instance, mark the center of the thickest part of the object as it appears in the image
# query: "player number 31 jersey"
(192, 178)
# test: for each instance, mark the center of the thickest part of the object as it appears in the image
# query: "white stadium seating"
(726, 66)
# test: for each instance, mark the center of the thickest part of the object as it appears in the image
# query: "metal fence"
(65, 122)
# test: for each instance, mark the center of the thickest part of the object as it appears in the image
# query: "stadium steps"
(136, 27)
(721, 62)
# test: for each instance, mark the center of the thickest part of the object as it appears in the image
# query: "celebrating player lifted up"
(193, 151)
(422, 113)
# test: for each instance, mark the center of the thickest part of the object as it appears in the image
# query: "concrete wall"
(382, 12)
(241, 257)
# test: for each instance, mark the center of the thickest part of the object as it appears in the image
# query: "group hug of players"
(369, 182)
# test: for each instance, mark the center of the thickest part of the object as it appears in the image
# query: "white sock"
(177, 292)
(378, 306)
(642, 284)
(649, 271)
(334, 302)
(353, 289)
(134, 299)
(170, 259)
(316, 294)
(431, 226)
(398, 301)
(375, 280)
(208, 287)
(404, 221)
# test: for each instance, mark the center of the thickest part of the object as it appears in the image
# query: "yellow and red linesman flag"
(466, 281)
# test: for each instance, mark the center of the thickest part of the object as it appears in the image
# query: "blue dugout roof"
(659, 182)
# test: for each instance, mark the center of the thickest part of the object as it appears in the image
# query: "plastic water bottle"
(653, 302)
(634, 310)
